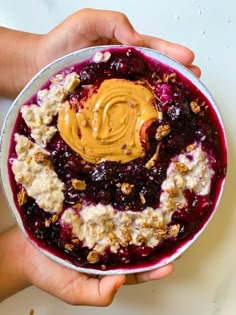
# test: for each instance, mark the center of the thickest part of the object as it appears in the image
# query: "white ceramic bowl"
(32, 87)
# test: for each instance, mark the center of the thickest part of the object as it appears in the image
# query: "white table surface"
(204, 280)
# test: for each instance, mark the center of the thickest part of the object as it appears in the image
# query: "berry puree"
(112, 161)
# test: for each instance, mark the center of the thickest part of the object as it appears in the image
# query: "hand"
(74, 287)
(89, 27)
(84, 28)
(22, 265)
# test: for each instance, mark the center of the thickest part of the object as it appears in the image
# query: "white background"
(204, 280)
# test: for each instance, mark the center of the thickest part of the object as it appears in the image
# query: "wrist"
(12, 264)
(18, 59)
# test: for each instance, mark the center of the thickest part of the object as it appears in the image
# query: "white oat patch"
(34, 172)
(39, 118)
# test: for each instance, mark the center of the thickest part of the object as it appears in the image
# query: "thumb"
(109, 25)
(108, 287)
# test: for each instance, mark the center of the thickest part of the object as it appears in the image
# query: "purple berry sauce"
(173, 96)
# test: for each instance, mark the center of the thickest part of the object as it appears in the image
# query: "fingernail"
(119, 284)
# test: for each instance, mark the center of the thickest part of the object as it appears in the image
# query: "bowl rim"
(34, 85)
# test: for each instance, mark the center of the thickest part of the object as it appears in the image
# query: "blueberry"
(178, 111)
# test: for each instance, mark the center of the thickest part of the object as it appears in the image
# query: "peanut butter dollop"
(111, 122)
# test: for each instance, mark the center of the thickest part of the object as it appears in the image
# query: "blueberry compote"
(185, 120)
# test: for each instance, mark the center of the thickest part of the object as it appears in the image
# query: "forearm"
(18, 60)
(12, 276)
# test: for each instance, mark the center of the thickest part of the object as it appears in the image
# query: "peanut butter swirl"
(111, 122)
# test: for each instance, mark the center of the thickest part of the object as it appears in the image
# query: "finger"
(70, 286)
(176, 51)
(97, 25)
(97, 292)
(155, 274)
(195, 69)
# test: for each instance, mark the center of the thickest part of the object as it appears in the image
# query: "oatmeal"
(36, 176)
(39, 118)
(113, 161)
(100, 227)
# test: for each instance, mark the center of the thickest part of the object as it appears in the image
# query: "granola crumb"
(195, 107)
(78, 206)
(78, 184)
(142, 198)
(181, 168)
(111, 236)
(47, 223)
(173, 77)
(126, 188)
(172, 192)
(150, 164)
(159, 234)
(174, 230)
(54, 218)
(140, 239)
(75, 240)
(190, 147)
(93, 257)
(40, 157)
(162, 131)
(169, 77)
(22, 197)
(69, 247)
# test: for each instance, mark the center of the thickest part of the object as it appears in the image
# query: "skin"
(21, 265)
(87, 27)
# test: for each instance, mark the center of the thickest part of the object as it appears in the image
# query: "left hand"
(74, 287)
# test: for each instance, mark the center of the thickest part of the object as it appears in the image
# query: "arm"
(17, 60)
(22, 54)
(12, 278)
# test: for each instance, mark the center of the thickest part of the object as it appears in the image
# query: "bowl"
(108, 156)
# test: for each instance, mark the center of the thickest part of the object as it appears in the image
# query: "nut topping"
(47, 223)
(126, 188)
(93, 257)
(195, 107)
(190, 148)
(140, 238)
(159, 234)
(78, 205)
(162, 131)
(169, 77)
(22, 197)
(142, 198)
(78, 184)
(69, 247)
(40, 157)
(181, 168)
(174, 230)
(54, 218)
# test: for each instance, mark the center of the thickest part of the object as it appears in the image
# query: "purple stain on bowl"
(112, 160)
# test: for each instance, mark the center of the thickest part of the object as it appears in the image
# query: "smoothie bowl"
(108, 159)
